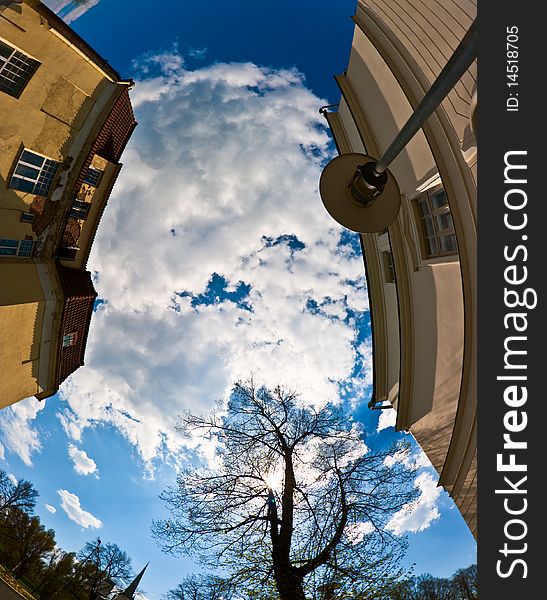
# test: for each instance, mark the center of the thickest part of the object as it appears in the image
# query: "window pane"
(33, 159)
(438, 199)
(448, 243)
(69, 339)
(428, 221)
(424, 208)
(93, 176)
(437, 224)
(78, 213)
(34, 173)
(5, 50)
(444, 221)
(8, 251)
(26, 171)
(15, 72)
(432, 248)
(27, 217)
(10, 243)
(25, 248)
(21, 184)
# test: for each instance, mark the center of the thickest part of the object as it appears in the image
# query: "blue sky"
(215, 259)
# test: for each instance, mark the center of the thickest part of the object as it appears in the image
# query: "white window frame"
(19, 248)
(433, 213)
(70, 339)
(16, 77)
(96, 178)
(80, 209)
(37, 187)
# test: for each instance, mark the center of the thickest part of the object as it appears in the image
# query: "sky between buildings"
(214, 260)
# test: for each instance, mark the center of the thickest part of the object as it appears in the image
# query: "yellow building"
(421, 270)
(65, 118)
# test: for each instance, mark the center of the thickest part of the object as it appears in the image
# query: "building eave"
(56, 23)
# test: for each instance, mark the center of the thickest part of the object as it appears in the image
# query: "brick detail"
(72, 233)
(114, 135)
(77, 311)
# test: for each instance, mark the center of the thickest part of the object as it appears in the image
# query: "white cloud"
(12, 478)
(83, 465)
(2, 451)
(365, 353)
(355, 532)
(68, 10)
(418, 515)
(70, 503)
(412, 458)
(224, 165)
(51, 509)
(388, 418)
(16, 430)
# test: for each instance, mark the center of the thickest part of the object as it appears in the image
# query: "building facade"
(65, 119)
(421, 270)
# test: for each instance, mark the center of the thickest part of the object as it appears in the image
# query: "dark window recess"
(27, 217)
(93, 176)
(8, 247)
(16, 70)
(437, 224)
(25, 248)
(68, 253)
(22, 248)
(34, 173)
(70, 339)
(79, 209)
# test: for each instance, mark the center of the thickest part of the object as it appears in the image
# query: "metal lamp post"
(358, 191)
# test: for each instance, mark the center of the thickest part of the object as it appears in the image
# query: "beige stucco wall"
(59, 114)
(21, 317)
(430, 30)
(373, 83)
(397, 52)
(438, 357)
(434, 289)
(97, 197)
(54, 105)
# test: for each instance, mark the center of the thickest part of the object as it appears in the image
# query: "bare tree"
(296, 503)
(101, 566)
(461, 586)
(16, 494)
(202, 587)
(464, 583)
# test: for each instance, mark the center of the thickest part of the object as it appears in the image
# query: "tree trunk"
(289, 585)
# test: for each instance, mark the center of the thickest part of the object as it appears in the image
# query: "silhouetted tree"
(24, 542)
(464, 583)
(432, 588)
(20, 494)
(202, 587)
(461, 586)
(321, 522)
(53, 579)
(98, 565)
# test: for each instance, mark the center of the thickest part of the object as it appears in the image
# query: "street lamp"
(358, 191)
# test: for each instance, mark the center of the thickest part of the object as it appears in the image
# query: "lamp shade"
(343, 207)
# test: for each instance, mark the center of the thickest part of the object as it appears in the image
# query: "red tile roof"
(114, 135)
(76, 317)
